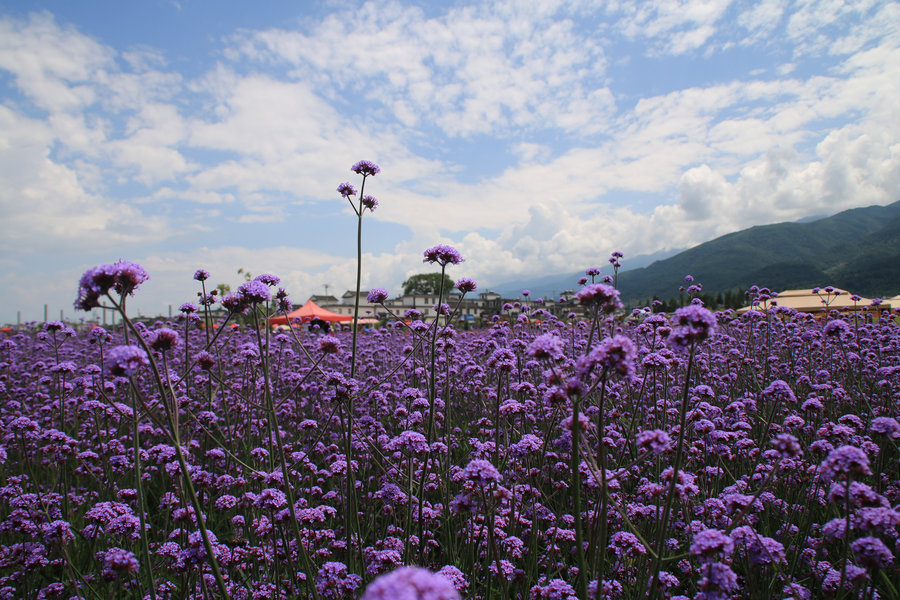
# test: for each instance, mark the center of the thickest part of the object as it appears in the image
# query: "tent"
(308, 312)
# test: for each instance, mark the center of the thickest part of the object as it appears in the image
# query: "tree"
(426, 283)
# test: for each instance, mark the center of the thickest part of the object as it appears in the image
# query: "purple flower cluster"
(443, 255)
(259, 464)
(122, 276)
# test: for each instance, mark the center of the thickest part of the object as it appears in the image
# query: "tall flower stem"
(276, 433)
(432, 396)
(359, 216)
(581, 583)
(179, 452)
(676, 465)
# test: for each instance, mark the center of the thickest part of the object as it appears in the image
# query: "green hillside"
(858, 250)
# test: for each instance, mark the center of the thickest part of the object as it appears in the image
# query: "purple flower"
(711, 544)
(377, 296)
(466, 285)
(411, 583)
(455, 576)
(781, 391)
(626, 545)
(329, 344)
(555, 589)
(188, 308)
(163, 339)
(117, 561)
(254, 292)
(837, 328)
(546, 346)
(693, 324)
(600, 294)
(718, 577)
(443, 255)
(201, 275)
(846, 460)
(611, 354)
(346, 190)
(334, 582)
(123, 276)
(656, 441)
(365, 168)
(126, 360)
(369, 202)
(268, 279)
(481, 472)
(787, 445)
(886, 426)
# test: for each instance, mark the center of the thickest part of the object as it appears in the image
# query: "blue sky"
(535, 137)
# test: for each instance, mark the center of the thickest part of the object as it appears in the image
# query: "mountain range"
(857, 250)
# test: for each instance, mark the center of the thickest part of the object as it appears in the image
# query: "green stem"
(676, 465)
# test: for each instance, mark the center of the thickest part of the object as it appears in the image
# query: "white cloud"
(473, 70)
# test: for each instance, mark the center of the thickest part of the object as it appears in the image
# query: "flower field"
(690, 455)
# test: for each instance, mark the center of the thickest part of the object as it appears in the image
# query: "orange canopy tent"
(308, 312)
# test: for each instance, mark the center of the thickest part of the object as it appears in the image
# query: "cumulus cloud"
(109, 151)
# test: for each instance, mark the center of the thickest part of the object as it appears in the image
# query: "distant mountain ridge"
(550, 286)
(857, 249)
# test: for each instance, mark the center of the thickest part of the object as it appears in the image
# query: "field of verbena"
(769, 502)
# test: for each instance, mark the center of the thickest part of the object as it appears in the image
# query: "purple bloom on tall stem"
(268, 279)
(846, 460)
(411, 583)
(365, 168)
(123, 276)
(254, 291)
(656, 441)
(126, 360)
(369, 202)
(377, 296)
(693, 324)
(837, 328)
(163, 339)
(547, 346)
(710, 544)
(346, 190)
(600, 294)
(443, 255)
(201, 275)
(615, 353)
(466, 285)
(871, 552)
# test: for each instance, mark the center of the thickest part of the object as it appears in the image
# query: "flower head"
(163, 339)
(709, 544)
(656, 441)
(377, 296)
(369, 202)
(254, 291)
(443, 255)
(123, 276)
(846, 460)
(547, 346)
(365, 168)
(126, 360)
(346, 190)
(466, 285)
(411, 583)
(693, 324)
(201, 275)
(600, 294)
(612, 354)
